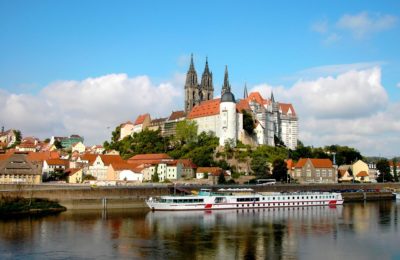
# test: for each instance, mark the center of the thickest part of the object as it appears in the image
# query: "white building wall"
(228, 119)
(208, 124)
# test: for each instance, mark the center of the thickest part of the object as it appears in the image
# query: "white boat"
(243, 199)
(397, 195)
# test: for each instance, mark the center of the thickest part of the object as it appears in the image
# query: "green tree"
(248, 122)
(57, 144)
(279, 170)
(396, 177)
(260, 167)
(384, 171)
(18, 137)
(155, 177)
(221, 178)
(186, 131)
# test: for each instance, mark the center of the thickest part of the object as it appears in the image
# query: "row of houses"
(33, 167)
(323, 171)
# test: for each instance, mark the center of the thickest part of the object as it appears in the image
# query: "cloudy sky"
(83, 67)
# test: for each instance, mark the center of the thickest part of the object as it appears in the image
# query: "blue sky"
(268, 44)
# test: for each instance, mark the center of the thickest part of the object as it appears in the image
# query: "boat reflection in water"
(229, 234)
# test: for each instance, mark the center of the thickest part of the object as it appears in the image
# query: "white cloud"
(320, 27)
(398, 85)
(90, 106)
(364, 24)
(360, 26)
(349, 109)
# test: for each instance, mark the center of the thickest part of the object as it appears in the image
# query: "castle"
(224, 116)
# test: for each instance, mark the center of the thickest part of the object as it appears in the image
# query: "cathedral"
(196, 93)
(224, 116)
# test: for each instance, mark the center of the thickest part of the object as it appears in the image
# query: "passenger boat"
(243, 199)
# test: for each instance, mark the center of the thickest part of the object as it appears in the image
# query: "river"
(352, 231)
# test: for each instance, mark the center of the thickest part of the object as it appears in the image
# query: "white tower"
(227, 112)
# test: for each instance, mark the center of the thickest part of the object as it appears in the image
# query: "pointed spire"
(191, 68)
(272, 96)
(206, 68)
(245, 94)
(226, 87)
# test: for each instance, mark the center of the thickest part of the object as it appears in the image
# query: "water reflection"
(356, 231)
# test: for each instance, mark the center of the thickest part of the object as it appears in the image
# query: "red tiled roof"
(110, 159)
(176, 115)
(72, 171)
(41, 156)
(256, 96)
(187, 163)
(140, 119)
(362, 174)
(215, 171)
(57, 162)
(289, 164)
(205, 108)
(126, 166)
(285, 108)
(243, 104)
(317, 163)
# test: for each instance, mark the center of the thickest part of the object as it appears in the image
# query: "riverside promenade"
(102, 197)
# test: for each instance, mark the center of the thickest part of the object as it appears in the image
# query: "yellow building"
(16, 168)
(360, 171)
(75, 175)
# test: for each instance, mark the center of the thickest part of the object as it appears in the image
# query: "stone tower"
(191, 87)
(206, 86)
(195, 93)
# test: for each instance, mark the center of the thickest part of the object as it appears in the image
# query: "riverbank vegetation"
(11, 206)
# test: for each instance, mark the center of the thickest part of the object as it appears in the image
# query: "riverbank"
(114, 197)
(17, 206)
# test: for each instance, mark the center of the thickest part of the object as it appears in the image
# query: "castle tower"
(228, 123)
(191, 88)
(206, 86)
(226, 87)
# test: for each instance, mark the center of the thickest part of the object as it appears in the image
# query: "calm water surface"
(352, 231)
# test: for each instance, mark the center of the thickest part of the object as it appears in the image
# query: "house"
(188, 168)
(172, 121)
(79, 147)
(124, 172)
(344, 175)
(203, 172)
(16, 168)
(391, 164)
(211, 174)
(53, 165)
(75, 175)
(26, 146)
(126, 129)
(360, 171)
(157, 124)
(309, 170)
(98, 167)
(141, 123)
(8, 137)
(97, 149)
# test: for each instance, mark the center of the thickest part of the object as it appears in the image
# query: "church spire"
(272, 97)
(226, 87)
(245, 94)
(191, 68)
